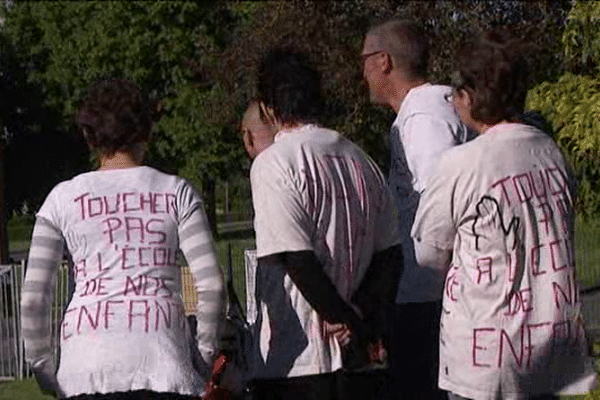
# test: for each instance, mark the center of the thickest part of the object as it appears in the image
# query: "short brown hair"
(114, 116)
(406, 43)
(493, 69)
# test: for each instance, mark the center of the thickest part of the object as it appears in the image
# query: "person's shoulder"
(74, 182)
(314, 135)
(161, 176)
(66, 188)
(462, 156)
(306, 138)
(266, 161)
(435, 90)
(429, 100)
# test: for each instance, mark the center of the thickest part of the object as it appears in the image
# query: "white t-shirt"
(511, 322)
(314, 190)
(125, 327)
(426, 126)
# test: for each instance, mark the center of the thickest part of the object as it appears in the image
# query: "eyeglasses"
(363, 57)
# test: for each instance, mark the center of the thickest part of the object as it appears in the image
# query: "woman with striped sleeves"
(124, 334)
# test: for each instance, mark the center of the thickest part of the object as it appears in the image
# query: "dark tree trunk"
(3, 213)
(209, 198)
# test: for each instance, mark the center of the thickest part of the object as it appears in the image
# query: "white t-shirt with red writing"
(511, 321)
(425, 127)
(125, 327)
(313, 190)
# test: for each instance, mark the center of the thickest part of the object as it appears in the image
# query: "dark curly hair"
(493, 70)
(290, 85)
(115, 115)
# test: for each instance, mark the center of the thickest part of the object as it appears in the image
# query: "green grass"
(20, 227)
(237, 261)
(587, 252)
(22, 390)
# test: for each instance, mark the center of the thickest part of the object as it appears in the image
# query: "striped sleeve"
(196, 243)
(45, 254)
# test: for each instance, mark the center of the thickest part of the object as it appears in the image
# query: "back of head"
(407, 45)
(290, 86)
(114, 116)
(493, 69)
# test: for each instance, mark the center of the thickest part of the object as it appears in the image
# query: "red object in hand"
(377, 352)
(213, 390)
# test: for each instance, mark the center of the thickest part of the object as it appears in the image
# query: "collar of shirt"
(505, 127)
(410, 93)
(298, 129)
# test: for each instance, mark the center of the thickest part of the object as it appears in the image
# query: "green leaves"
(581, 37)
(572, 105)
(198, 60)
(168, 48)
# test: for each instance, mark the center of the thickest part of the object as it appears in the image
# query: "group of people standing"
(454, 278)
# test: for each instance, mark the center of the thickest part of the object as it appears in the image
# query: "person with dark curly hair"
(124, 334)
(496, 219)
(326, 242)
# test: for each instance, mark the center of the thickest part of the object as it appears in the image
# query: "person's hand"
(44, 372)
(341, 332)
(49, 386)
(214, 391)
(377, 352)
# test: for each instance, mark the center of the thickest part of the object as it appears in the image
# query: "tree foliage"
(572, 103)
(332, 32)
(198, 60)
(169, 48)
(34, 141)
(581, 38)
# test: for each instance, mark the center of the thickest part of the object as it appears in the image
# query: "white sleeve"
(196, 243)
(431, 257)
(280, 221)
(424, 138)
(435, 221)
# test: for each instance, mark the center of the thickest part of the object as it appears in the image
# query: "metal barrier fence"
(9, 321)
(12, 351)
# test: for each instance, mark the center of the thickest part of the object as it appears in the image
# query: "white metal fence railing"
(9, 340)
(12, 350)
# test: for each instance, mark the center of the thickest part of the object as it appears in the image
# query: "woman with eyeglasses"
(124, 334)
(497, 220)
